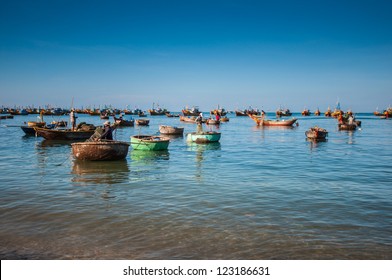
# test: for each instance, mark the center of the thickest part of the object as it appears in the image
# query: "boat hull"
(28, 130)
(316, 134)
(100, 150)
(149, 142)
(142, 122)
(347, 127)
(171, 130)
(204, 137)
(263, 122)
(188, 119)
(154, 112)
(52, 134)
(122, 122)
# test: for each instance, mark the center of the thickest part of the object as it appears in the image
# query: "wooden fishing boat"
(171, 115)
(316, 133)
(224, 119)
(188, 119)
(219, 111)
(328, 113)
(203, 137)
(64, 134)
(212, 122)
(244, 113)
(171, 130)
(157, 111)
(305, 112)
(100, 150)
(28, 130)
(283, 112)
(263, 122)
(122, 122)
(37, 124)
(194, 111)
(346, 126)
(142, 121)
(142, 114)
(149, 142)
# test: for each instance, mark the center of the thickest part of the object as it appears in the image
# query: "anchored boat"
(261, 121)
(149, 142)
(171, 130)
(316, 133)
(203, 137)
(100, 150)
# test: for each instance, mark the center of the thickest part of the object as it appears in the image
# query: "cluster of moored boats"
(94, 148)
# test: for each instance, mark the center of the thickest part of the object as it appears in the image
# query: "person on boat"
(217, 117)
(199, 122)
(73, 117)
(340, 119)
(107, 131)
(350, 120)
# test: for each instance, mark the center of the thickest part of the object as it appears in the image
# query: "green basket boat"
(149, 142)
(203, 137)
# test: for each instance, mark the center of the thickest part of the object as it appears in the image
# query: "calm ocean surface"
(262, 193)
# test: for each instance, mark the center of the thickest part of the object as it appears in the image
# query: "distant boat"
(219, 111)
(171, 130)
(244, 113)
(158, 111)
(142, 121)
(171, 115)
(212, 121)
(188, 119)
(123, 122)
(100, 150)
(224, 119)
(194, 111)
(305, 112)
(203, 137)
(263, 122)
(283, 112)
(328, 113)
(149, 142)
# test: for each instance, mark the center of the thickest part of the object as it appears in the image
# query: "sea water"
(261, 193)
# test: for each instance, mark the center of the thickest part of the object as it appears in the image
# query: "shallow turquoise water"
(262, 193)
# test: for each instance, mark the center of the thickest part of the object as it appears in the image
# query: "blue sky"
(266, 54)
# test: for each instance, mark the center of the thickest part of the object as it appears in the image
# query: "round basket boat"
(100, 150)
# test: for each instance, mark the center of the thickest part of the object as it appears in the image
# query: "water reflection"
(149, 156)
(52, 153)
(100, 172)
(350, 134)
(200, 149)
(56, 143)
(174, 137)
(313, 143)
